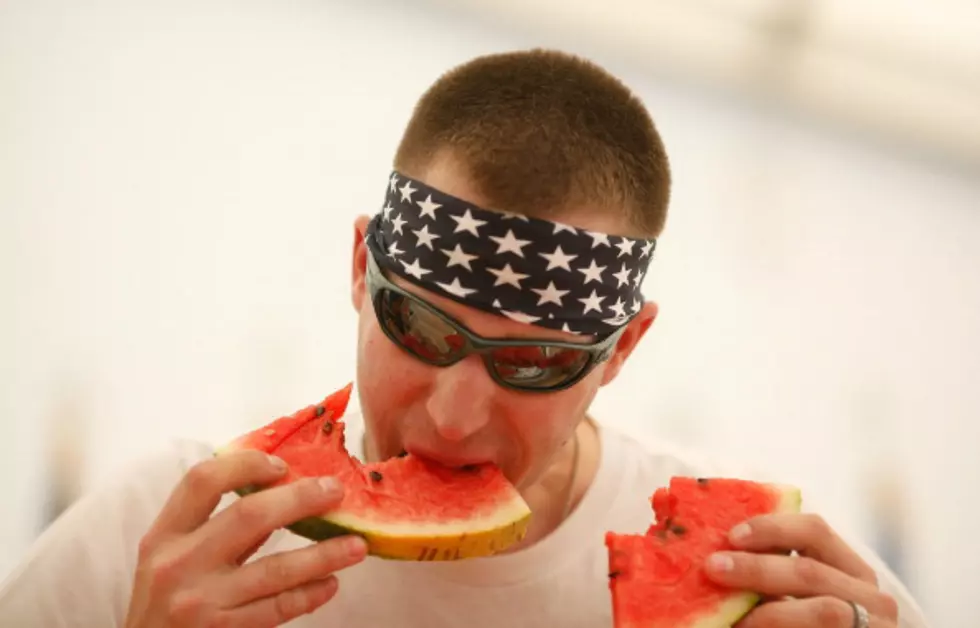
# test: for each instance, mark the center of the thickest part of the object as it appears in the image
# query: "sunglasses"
(432, 336)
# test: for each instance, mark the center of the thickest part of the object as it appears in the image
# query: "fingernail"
(278, 463)
(356, 547)
(720, 563)
(329, 485)
(739, 533)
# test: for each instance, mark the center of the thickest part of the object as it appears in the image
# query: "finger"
(274, 574)
(279, 609)
(813, 612)
(197, 494)
(808, 534)
(786, 576)
(236, 529)
(241, 560)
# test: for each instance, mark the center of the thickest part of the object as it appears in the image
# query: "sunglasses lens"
(539, 366)
(418, 329)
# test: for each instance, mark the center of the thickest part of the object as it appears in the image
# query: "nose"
(459, 403)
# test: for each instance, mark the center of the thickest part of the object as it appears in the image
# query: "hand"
(192, 572)
(821, 580)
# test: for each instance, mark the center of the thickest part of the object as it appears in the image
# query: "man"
(528, 193)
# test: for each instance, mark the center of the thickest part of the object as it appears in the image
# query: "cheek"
(387, 377)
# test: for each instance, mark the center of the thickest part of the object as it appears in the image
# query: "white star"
(428, 207)
(425, 238)
(414, 269)
(550, 294)
(394, 251)
(407, 191)
(458, 257)
(598, 238)
(513, 216)
(507, 275)
(638, 278)
(565, 328)
(592, 273)
(455, 288)
(496, 303)
(466, 222)
(394, 181)
(636, 306)
(520, 317)
(388, 209)
(592, 302)
(559, 227)
(558, 259)
(625, 246)
(623, 275)
(399, 223)
(617, 307)
(615, 321)
(509, 243)
(647, 248)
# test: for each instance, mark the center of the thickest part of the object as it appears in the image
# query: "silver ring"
(861, 617)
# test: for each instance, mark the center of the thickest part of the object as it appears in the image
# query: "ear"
(359, 262)
(635, 331)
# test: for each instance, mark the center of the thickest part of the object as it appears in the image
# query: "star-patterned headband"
(531, 270)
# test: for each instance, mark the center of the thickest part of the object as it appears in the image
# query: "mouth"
(446, 460)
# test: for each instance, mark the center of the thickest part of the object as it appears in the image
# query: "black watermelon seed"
(678, 530)
(328, 427)
(403, 454)
(469, 467)
(613, 574)
(703, 481)
(320, 410)
(376, 476)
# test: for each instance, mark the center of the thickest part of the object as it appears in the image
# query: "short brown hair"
(539, 129)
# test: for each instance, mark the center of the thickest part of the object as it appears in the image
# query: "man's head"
(537, 134)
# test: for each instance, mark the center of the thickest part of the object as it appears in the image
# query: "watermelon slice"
(405, 508)
(656, 580)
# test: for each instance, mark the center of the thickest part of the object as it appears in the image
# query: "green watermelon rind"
(312, 528)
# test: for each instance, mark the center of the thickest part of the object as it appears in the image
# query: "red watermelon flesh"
(405, 508)
(657, 579)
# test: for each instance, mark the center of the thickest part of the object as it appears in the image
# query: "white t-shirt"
(79, 571)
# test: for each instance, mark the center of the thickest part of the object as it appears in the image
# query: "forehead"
(449, 175)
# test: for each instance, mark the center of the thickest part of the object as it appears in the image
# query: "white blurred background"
(178, 181)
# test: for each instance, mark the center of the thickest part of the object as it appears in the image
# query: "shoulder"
(98, 536)
(652, 463)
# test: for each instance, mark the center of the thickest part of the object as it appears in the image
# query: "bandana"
(531, 270)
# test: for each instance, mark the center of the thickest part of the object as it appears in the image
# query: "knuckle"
(249, 514)
(186, 607)
(274, 572)
(888, 605)
(833, 612)
(163, 572)
(817, 526)
(809, 572)
(201, 477)
(291, 603)
(146, 547)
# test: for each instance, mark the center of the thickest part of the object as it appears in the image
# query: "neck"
(554, 497)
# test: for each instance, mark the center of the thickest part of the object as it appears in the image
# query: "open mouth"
(450, 462)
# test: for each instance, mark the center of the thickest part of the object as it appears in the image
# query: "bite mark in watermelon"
(405, 508)
(657, 579)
